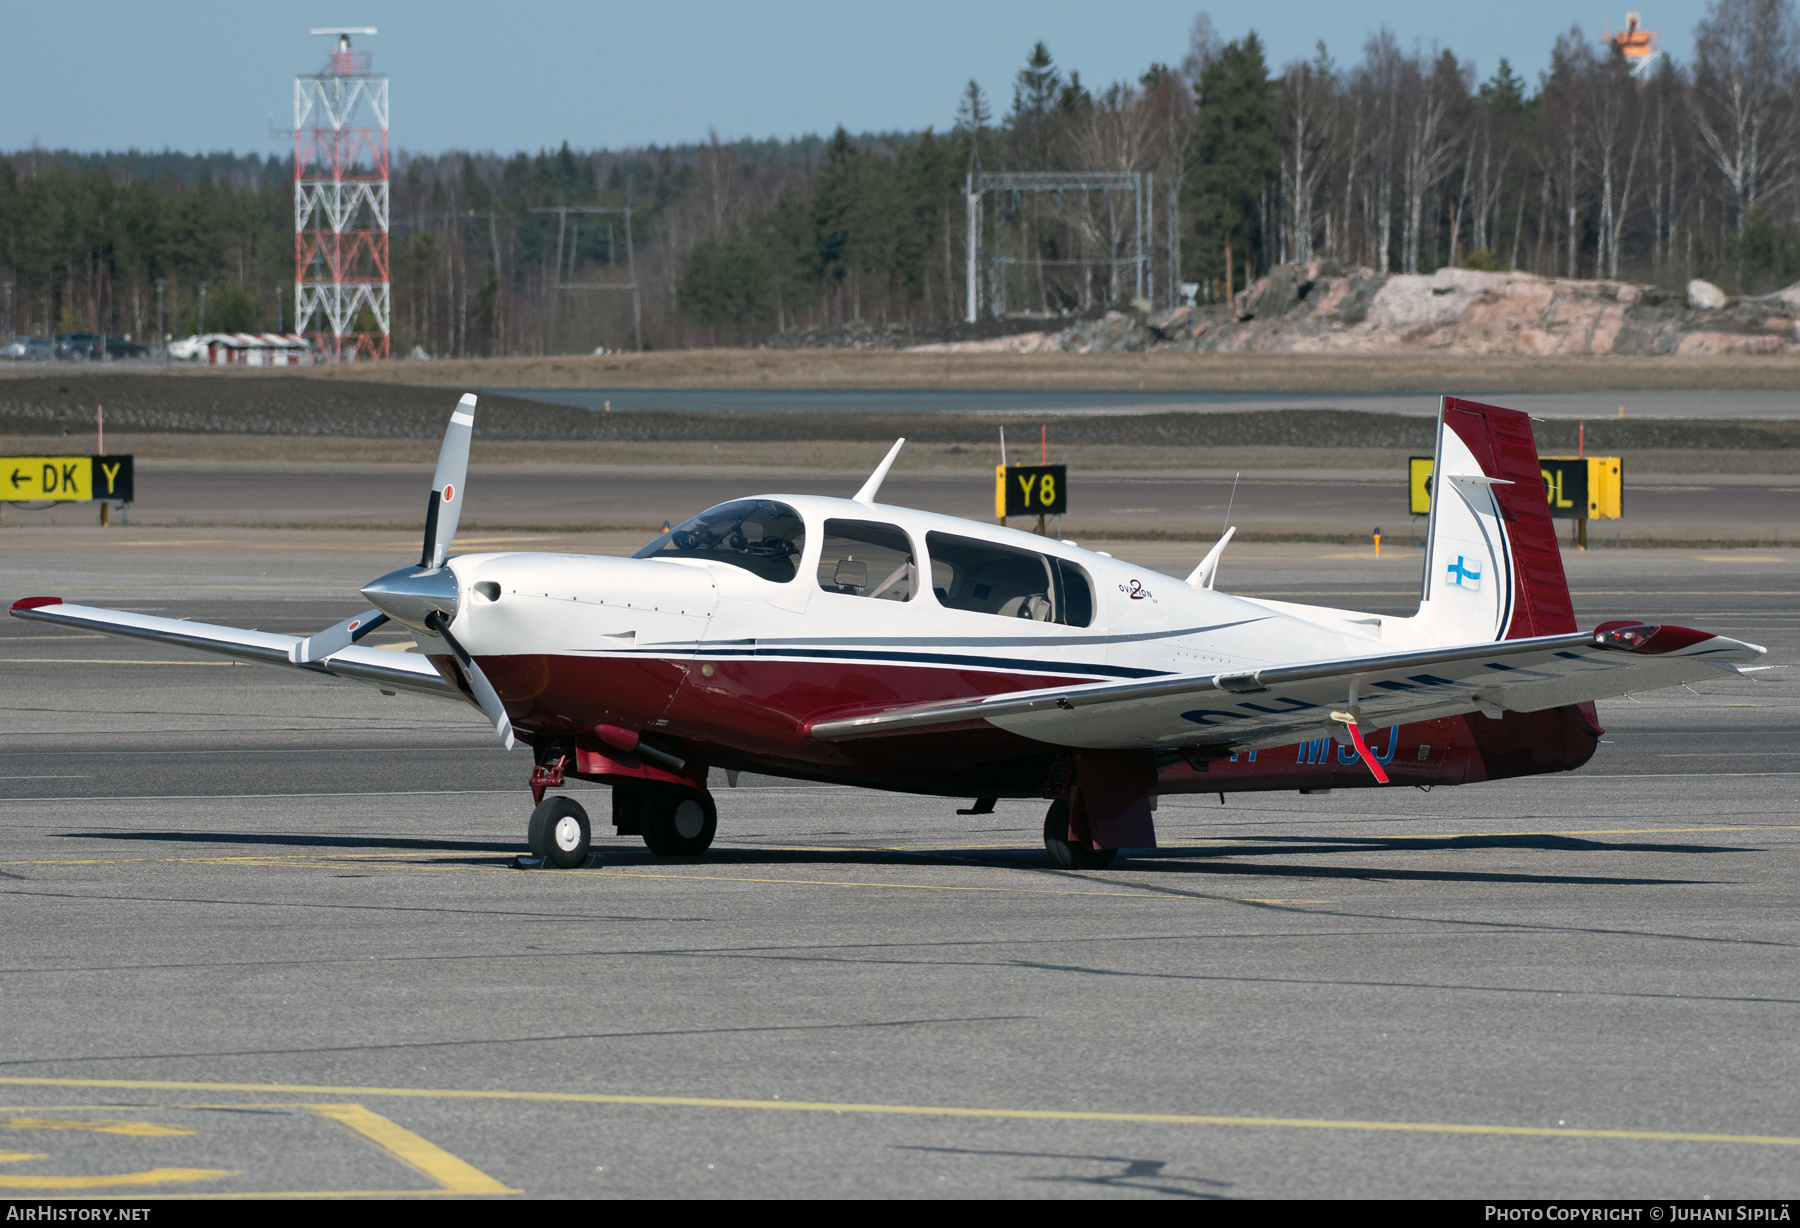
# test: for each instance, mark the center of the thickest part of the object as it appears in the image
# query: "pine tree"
(972, 119)
(972, 112)
(1234, 157)
(1036, 87)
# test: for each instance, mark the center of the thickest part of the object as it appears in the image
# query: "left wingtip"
(32, 603)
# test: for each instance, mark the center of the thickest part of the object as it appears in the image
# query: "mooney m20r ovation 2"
(849, 641)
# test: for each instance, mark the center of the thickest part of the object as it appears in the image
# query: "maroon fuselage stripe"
(751, 714)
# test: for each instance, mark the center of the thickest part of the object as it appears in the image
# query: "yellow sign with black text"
(1031, 490)
(1419, 482)
(1584, 487)
(1575, 487)
(65, 479)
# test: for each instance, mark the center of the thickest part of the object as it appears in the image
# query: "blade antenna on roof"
(870, 487)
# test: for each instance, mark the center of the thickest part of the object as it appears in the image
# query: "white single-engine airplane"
(849, 641)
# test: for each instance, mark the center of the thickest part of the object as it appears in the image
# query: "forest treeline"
(1403, 160)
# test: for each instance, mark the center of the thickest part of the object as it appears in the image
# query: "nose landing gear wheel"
(679, 822)
(1066, 854)
(559, 833)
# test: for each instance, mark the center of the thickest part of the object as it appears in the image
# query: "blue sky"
(205, 75)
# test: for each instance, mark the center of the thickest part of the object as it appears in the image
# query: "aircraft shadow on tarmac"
(299, 841)
(1208, 861)
(1145, 1175)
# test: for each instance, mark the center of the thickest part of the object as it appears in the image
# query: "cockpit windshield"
(759, 535)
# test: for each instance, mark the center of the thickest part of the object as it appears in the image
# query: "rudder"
(1493, 566)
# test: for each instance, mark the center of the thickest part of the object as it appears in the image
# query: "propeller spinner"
(426, 597)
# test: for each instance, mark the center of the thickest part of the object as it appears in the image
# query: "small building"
(257, 350)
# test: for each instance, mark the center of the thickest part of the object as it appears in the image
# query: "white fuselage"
(1143, 622)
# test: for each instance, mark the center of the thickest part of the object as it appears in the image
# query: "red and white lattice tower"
(341, 205)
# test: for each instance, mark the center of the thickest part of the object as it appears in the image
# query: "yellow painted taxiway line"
(150, 1176)
(450, 1175)
(273, 859)
(302, 859)
(196, 1196)
(132, 1129)
(423, 1156)
(830, 882)
(456, 862)
(921, 1110)
(1608, 831)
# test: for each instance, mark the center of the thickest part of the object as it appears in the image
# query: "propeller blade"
(335, 639)
(491, 706)
(485, 695)
(445, 507)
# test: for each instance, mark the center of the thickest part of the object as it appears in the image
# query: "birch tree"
(1378, 87)
(1305, 121)
(1745, 64)
(1564, 137)
(1500, 102)
(1430, 138)
(1616, 122)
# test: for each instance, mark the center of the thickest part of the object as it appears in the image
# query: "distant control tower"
(343, 296)
(1637, 44)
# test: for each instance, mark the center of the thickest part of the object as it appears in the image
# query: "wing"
(1254, 709)
(390, 671)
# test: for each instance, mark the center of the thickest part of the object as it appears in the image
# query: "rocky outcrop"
(1322, 308)
(1704, 296)
(1326, 308)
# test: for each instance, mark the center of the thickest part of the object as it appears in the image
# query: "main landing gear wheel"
(679, 822)
(1065, 854)
(559, 833)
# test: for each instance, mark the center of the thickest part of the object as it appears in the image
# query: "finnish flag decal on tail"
(1493, 569)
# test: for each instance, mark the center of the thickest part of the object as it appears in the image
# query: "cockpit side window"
(864, 558)
(968, 574)
(1074, 595)
(760, 535)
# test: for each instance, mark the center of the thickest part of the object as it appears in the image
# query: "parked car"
(188, 349)
(79, 347)
(125, 347)
(27, 349)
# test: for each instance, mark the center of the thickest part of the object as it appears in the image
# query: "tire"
(628, 809)
(679, 822)
(559, 833)
(1065, 854)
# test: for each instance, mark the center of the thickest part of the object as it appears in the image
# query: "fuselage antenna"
(870, 487)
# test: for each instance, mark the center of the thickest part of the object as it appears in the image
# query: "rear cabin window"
(759, 535)
(968, 574)
(865, 558)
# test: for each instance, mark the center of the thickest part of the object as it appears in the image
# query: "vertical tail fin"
(1493, 568)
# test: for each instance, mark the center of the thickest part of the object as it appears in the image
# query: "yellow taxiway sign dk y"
(65, 479)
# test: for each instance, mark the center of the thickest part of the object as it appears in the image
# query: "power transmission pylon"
(341, 204)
